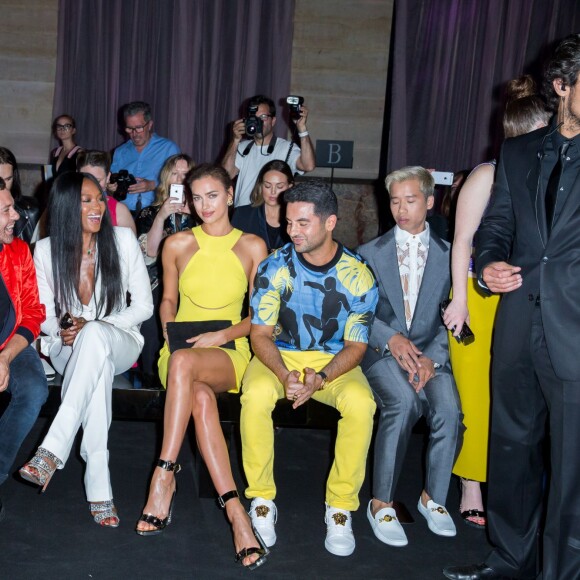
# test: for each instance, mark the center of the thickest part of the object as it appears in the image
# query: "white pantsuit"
(102, 349)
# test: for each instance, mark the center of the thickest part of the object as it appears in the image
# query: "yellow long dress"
(471, 369)
(212, 287)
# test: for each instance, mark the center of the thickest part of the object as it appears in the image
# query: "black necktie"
(554, 184)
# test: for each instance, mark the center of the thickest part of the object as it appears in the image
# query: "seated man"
(317, 300)
(21, 372)
(407, 363)
(245, 158)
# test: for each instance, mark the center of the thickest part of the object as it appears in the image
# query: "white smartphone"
(443, 177)
(176, 193)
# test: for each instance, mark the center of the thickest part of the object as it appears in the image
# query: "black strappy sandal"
(160, 524)
(245, 552)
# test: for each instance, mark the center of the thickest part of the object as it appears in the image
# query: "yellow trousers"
(350, 394)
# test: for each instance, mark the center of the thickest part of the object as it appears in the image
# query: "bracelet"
(303, 134)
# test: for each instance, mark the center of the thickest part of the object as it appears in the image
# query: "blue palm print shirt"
(314, 307)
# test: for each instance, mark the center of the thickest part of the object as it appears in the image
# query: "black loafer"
(472, 572)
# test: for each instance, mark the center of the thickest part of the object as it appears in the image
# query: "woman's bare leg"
(213, 449)
(178, 404)
(195, 376)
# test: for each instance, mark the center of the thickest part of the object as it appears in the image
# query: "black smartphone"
(466, 335)
(66, 321)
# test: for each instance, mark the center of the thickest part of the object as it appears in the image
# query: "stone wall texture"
(339, 64)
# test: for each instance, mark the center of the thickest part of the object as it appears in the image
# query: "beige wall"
(27, 69)
(339, 65)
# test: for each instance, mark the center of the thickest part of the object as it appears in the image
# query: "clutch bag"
(179, 332)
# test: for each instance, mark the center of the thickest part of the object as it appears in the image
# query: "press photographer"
(245, 157)
(142, 155)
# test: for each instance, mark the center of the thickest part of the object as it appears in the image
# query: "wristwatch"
(324, 378)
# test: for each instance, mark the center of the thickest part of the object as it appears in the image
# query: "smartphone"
(466, 335)
(176, 193)
(66, 321)
(443, 177)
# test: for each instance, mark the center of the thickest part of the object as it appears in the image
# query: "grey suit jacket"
(427, 331)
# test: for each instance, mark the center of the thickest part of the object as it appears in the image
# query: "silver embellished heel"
(43, 472)
(103, 510)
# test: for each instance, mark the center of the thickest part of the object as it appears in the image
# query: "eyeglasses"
(264, 117)
(66, 127)
(138, 129)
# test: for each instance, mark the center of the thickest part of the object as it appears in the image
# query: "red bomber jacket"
(17, 269)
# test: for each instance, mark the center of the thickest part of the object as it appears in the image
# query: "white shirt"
(412, 253)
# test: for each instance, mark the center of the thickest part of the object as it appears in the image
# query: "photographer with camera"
(137, 163)
(246, 157)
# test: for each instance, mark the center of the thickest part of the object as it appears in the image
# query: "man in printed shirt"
(317, 300)
(407, 362)
(21, 372)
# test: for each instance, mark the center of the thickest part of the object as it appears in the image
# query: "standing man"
(407, 364)
(21, 372)
(143, 155)
(528, 249)
(245, 158)
(317, 300)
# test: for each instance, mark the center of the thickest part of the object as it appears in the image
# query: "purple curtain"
(194, 61)
(451, 60)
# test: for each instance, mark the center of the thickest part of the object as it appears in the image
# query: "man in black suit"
(528, 249)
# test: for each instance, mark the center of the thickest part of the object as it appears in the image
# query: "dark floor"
(53, 535)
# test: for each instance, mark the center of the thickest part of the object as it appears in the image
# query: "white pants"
(100, 352)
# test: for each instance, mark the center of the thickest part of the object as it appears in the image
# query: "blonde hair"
(162, 190)
(424, 177)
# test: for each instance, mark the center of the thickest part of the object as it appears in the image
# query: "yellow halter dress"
(212, 287)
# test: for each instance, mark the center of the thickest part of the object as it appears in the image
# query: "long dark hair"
(256, 196)
(66, 244)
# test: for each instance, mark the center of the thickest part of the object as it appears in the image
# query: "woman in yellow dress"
(525, 112)
(207, 271)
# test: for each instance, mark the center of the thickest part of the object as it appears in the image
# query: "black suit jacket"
(513, 231)
(252, 220)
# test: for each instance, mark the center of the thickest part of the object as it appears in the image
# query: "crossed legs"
(194, 377)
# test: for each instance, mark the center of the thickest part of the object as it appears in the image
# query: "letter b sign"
(334, 153)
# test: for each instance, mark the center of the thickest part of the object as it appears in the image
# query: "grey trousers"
(400, 408)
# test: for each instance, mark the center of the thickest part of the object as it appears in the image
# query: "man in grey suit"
(407, 362)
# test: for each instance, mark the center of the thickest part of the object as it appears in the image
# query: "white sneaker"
(387, 527)
(438, 518)
(339, 536)
(264, 515)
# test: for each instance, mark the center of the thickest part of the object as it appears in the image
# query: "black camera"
(124, 180)
(252, 123)
(294, 102)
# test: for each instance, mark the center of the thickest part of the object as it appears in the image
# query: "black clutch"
(179, 332)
